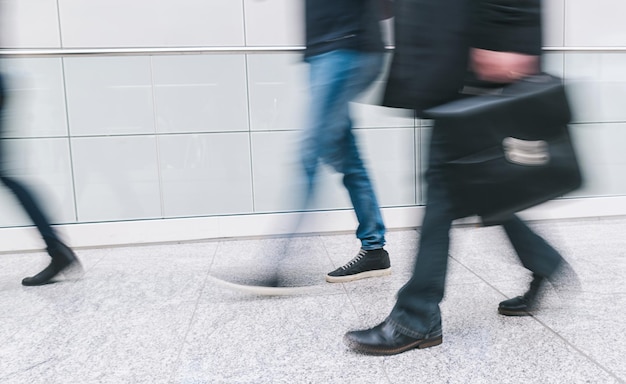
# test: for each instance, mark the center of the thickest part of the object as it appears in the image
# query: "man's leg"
(346, 74)
(415, 321)
(62, 256)
(537, 256)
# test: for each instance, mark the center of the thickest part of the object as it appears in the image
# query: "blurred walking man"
(345, 53)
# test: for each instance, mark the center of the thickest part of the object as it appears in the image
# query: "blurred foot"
(63, 260)
(523, 305)
(263, 287)
(386, 339)
(564, 281)
(370, 263)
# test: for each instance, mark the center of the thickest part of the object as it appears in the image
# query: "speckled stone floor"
(152, 314)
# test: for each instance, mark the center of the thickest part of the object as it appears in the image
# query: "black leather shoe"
(385, 339)
(63, 259)
(517, 306)
(523, 305)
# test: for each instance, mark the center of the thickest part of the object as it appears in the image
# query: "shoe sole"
(72, 271)
(418, 344)
(358, 276)
(507, 312)
(262, 290)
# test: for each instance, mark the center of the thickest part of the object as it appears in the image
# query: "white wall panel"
(109, 95)
(595, 23)
(116, 178)
(274, 22)
(389, 155)
(43, 166)
(35, 98)
(553, 19)
(600, 148)
(554, 63)
(205, 174)
(200, 93)
(149, 23)
(170, 135)
(278, 87)
(597, 85)
(278, 181)
(29, 24)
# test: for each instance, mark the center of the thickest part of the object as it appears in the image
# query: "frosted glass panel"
(553, 19)
(200, 93)
(274, 22)
(602, 157)
(278, 91)
(43, 166)
(35, 98)
(109, 95)
(116, 178)
(206, 174)
(29, 24)
(389, 155)
(149, 23)
(278, 182)
(595, 23)
(597, 85)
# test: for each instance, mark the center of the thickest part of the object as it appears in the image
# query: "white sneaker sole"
(358, 276)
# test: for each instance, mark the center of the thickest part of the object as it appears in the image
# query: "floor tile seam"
(481, 278)
(381, 363)
(327, 252)
(21, 371)
(92, 266)
(559, 336)
(384, 368)
(591, 359)
(343, 285)
(192, 317)
(23, 325)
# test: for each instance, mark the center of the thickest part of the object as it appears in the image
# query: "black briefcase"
(510, 149)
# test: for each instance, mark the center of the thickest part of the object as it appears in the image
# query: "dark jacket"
(433, 38)
(342, 24)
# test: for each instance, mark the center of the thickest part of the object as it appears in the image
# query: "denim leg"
(417, 312)
(371, 229)
(337, 78)
(533, 251)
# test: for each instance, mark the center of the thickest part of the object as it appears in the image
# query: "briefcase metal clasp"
(526, 152)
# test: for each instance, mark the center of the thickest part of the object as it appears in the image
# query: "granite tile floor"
(152, 314)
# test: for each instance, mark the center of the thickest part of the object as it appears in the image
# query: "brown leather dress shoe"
(385, 339)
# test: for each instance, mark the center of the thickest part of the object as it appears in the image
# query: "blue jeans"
(416, 312)
(336, 79)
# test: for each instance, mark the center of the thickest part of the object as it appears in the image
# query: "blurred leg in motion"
(63, 258)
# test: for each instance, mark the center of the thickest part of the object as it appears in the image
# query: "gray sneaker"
(370, 263)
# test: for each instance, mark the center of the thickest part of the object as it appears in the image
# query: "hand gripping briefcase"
(510, 149)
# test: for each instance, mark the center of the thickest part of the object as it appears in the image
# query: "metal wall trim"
(64, 52)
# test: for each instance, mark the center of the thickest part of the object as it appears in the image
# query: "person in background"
(436, 42)
(345, 53)
(63, 258)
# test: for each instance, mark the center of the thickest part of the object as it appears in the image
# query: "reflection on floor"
(152, 314)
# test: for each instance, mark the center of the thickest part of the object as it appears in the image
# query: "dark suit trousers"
(21, 192)
(416, 312)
